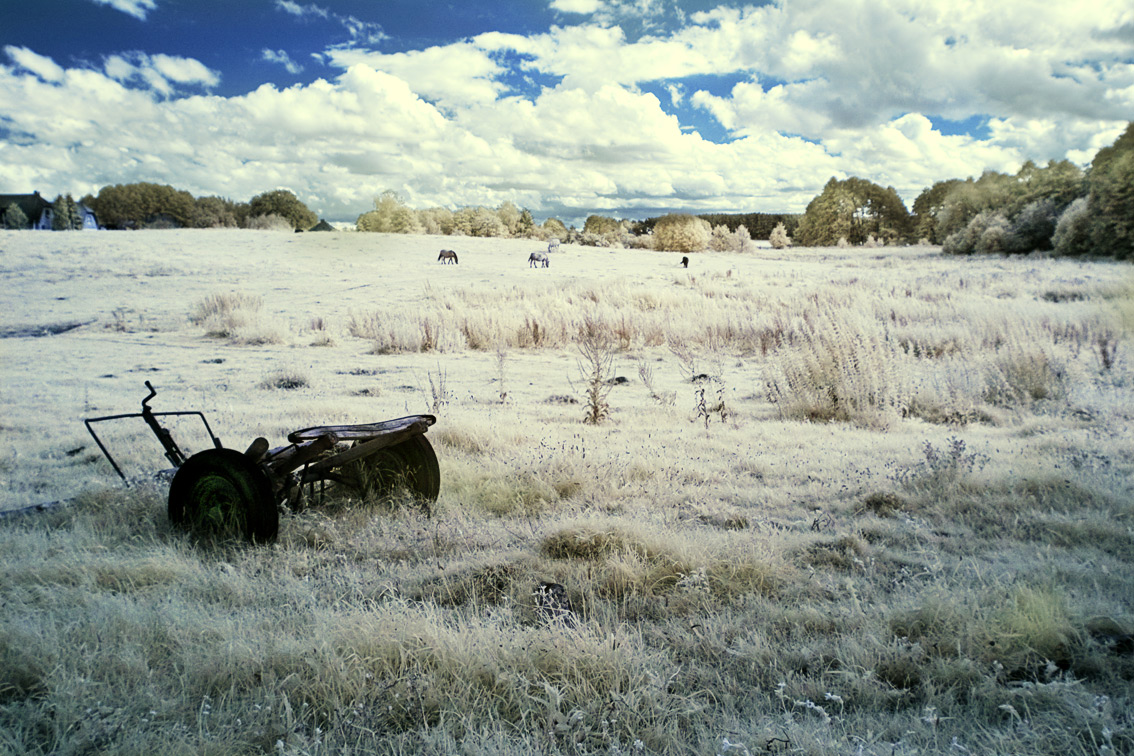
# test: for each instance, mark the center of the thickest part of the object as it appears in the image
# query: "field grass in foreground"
(895, 516)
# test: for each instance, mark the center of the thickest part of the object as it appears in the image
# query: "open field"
(895, 516)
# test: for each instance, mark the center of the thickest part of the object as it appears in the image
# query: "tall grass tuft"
(840, 371)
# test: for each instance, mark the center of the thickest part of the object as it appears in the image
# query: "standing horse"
(447, 256)
(685, 262)
(552, 246)
(538, 257)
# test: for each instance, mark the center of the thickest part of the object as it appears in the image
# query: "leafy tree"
(1111, 198)
(1034, 226)
(680, 232)
(487, 223)
(1061, 182)
(436, 220)
(854, 209)
(553, 228)
(927, 207)
(1072, 232)
(509, 216)
(15, 218)
(993, 191)
(601, 225)
(283, 203)
(742, 240)
(759, 225)
(65, 214)
(390, 216)
(720, 239)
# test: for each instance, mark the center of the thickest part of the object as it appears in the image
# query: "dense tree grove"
(855, 210)
(759, 225)
(999, 213)
(392, 216)
(142, 204)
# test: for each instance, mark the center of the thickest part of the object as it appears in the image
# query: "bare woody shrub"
(596, 350)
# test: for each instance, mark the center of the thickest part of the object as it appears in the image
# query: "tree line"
(1059, 207)
(149, 205)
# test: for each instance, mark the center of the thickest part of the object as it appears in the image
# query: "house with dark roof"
(40, 213)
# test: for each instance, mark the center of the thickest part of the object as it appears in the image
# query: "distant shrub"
(233, 316)
(285, 380)
(779, 237)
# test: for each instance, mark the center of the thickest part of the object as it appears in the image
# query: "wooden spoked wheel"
(409, 467)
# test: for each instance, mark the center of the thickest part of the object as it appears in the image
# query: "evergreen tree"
(65, 214)
(526, 227)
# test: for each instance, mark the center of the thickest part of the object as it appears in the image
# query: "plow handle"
(172, 452)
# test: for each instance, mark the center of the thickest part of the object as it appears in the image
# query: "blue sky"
(628, 108)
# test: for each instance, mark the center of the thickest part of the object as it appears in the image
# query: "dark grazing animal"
(447, 256)
(539, 258)
(685, 262)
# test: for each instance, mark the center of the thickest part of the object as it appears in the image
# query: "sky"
(626, 108)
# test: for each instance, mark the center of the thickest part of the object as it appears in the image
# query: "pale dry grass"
(922, 545)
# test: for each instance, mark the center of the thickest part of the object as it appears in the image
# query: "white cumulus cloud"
(281, 57)
(136, 8)
(40, 65)
(566, 120)
(576, 6)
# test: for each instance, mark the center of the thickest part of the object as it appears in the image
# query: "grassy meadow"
(815, 501)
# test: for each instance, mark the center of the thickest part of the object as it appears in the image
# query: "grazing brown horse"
(685, 262)
(540, 258)
(447, 256)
